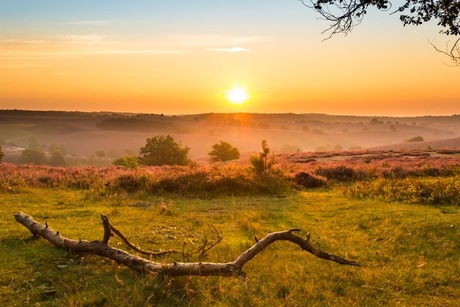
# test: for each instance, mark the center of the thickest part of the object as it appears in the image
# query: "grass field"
(410, 253)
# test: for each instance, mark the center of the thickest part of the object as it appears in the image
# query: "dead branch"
(108, 228)
(453, 53)
(143, 265)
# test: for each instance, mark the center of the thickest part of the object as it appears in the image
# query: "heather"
(390, 176)
(396, 214)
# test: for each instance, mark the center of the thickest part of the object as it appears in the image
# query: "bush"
(128, 183)
(439, 192)
(164, 150)
(128, 161)
(307, 180)
(339, 173)
(223, 151)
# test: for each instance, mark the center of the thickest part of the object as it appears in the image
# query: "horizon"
(184, 57)
(217, 113)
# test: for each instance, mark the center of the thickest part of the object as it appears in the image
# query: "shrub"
(128, 183)
(307, 180)
(164, 150)
(128, 161)
(338, 173)
(439, 192)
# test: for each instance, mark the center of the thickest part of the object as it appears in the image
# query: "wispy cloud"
(230, 50)
(21, 42)
(87, 22)
(222, 40)
(135, 52)
(86, 38)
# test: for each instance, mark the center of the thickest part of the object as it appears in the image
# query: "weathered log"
(144, 265)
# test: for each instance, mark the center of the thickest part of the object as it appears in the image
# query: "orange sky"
(71, 59)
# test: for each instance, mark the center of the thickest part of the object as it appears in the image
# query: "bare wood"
(108, 228)
(143, 265)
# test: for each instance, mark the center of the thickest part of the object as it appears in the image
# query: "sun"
(237, 95)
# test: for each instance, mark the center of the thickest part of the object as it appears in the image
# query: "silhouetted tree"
(100, 153)
(1, 154)
(223, 151)
(343, 15)
(33, 156)
(164, 150)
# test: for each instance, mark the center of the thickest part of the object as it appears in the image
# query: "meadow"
(395, 213)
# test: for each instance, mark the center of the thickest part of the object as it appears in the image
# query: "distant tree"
(100, 154)
(128, 161)
(57, 159)
(32, 156)
(338, 147)
(288, 148)
(58, 148)
(343, 15)
(223, 151)
(164, 150)
(415, 139)
(1, 154)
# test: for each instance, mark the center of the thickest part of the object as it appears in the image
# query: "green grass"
(410, 253)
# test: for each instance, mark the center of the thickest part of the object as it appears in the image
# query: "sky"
(182, 56)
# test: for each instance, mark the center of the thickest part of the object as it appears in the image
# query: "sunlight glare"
(237, 95)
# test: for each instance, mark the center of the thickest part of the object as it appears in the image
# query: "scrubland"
(397, 214)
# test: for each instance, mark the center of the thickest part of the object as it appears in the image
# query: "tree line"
(158, 151)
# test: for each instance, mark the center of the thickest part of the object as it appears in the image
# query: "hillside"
(83, 134)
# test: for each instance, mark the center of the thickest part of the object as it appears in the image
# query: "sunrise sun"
(237, 95)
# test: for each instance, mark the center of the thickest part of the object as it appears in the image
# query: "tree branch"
(453, 53)
(143, 265)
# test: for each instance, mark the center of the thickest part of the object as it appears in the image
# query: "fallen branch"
(143, 265)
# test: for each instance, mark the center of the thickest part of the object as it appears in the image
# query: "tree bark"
(143, 265)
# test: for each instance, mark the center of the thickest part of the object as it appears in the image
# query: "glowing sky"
(181, 56)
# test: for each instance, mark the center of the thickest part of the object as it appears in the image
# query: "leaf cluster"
(344, 14)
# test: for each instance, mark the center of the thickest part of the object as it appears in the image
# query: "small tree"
(33, 156)
(57, 159)
(223, 151)
(164, 150)
(260, 161)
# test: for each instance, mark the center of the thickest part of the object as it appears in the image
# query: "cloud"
(21, 42)
(136, 51)
(226, 40)
(87, 22)
(230, 50)
(87, 38)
